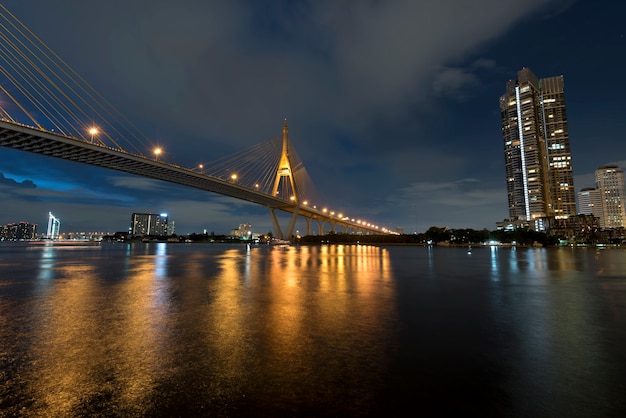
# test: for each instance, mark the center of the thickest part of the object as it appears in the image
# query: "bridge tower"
(285, 184)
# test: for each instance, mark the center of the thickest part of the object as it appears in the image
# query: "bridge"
(43, 110)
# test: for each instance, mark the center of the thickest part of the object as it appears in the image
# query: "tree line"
(438, 236)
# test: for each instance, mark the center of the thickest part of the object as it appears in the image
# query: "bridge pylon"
(285, 185)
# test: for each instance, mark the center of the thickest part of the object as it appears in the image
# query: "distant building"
(54, 226)
(590, 203)
(610, 186)
(19, 231)
(575, 226)
(539, 176)
(149, 224)
(244, 231)
(512, 224)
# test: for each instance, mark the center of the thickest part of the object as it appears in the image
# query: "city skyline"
(393, 108)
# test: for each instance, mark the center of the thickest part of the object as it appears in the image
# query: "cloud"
(358, 80)
(137, 183)
(217, 70)
(460, 193)
(463, 203)
(455, 82)
(28, 184)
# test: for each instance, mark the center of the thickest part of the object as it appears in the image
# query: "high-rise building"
(610, 184)
(54, 226)
(539, 176)
(590, 202)
(149, 224)
(19, 231)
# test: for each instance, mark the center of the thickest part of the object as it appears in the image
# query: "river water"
(119, 330)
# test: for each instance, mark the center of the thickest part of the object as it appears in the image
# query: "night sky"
(392, 105)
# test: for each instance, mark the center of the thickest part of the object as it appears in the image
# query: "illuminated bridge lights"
(39, 141)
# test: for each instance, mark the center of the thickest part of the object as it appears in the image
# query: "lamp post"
(157, 152)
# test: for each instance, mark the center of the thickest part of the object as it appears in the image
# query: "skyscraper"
(149, 224)
(54, 226)
(539, 177)
(610, 184)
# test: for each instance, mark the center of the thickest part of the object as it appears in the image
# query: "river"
(157, 329)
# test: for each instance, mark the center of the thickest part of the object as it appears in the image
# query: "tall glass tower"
(539, 177)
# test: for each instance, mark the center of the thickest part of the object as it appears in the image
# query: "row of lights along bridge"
(158, 151)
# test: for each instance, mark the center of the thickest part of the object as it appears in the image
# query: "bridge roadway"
(30, 139)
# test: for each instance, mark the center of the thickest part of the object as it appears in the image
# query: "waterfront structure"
(54, 226)
(610, 186)
(149, 224)
(18, 231)
(244, 232)
(539, 176)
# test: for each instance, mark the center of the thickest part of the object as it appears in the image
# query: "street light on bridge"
(233, 178)
(157, 151)
(93, 132)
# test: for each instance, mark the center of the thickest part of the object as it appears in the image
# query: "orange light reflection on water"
(235, 321)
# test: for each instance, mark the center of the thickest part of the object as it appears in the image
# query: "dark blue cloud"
(27, 184)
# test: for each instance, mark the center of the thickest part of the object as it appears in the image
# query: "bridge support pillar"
(277, 230)
(320, 224)
(308, 225)
(292, 224)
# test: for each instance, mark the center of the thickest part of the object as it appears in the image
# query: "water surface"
(217, 330)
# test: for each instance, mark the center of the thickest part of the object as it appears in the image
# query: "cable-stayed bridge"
(47, 108)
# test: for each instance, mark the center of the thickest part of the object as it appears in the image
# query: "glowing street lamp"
(234, 177)
(157, 151)
(93, 132)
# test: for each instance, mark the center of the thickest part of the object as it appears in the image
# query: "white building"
(610, 184)
(54, 226)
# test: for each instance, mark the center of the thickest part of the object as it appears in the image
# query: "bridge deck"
(30, 139)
